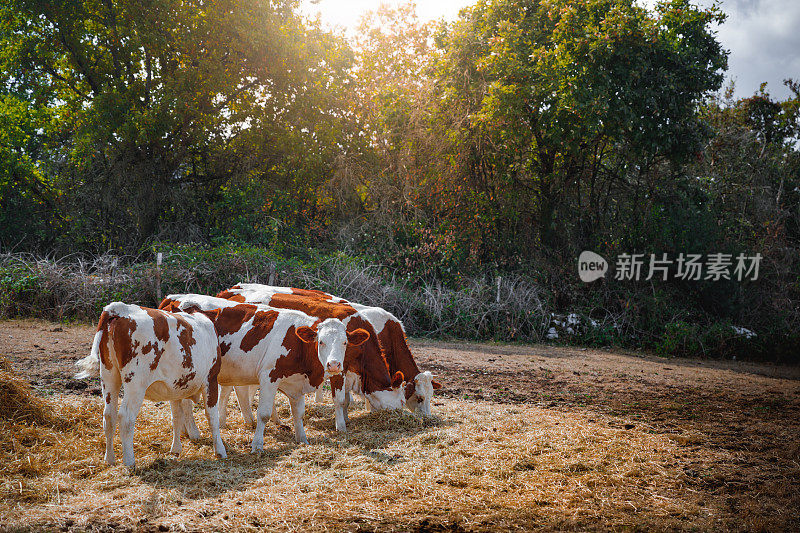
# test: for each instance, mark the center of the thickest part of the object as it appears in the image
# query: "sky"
(763, 36)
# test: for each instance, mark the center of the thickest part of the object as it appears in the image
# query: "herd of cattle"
(249, 336)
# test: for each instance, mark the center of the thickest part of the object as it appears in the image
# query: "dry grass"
(477, 465)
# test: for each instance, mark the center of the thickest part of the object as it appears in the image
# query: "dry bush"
(69, 287)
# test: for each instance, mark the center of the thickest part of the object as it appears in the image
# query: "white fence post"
(159, 258)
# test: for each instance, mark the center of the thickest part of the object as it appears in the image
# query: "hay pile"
(18, 403)
(39, 436)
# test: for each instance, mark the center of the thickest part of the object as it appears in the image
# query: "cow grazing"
(391, 337)
(276, 349)
(158, 355)
(366, 369)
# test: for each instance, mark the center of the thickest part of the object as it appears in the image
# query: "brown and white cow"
(276, 349)
(391, 336)
(157, 355)
(366, 369)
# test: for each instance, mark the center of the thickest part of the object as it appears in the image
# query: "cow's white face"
(423, 393)
(331, 344)
(332, 339)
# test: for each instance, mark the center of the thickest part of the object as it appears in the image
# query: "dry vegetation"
(478, 465)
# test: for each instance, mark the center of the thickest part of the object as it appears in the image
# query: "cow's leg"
(224, 396)
(275, 417)
(212, 414)
(131, 403)
(244, 397)
(178, 425)
(189, 425)
(319, 395)
(298, 410)
(110, 388)
(266, 400)
(339, 405)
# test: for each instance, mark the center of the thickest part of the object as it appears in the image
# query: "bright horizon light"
(761, 35)
(346, 14)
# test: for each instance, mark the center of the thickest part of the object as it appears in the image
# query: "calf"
(391, 336)
(157, 355)
(366, 369)
(276, 349)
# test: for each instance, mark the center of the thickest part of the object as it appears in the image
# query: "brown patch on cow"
(311, 306)
(108, 397)
(302, 358)
(411, 389)
(121, 330)
(398, 355)
(213, 387)
(337, 384)
(312, 293)
(158, 351)
(170, 305)
(184, 380)
(234, 297)
(102, 327)
(224, 347)
(367, 360)
(128, 377)
(261, 326)
(160, 324)
(231, 319)
(187, 340)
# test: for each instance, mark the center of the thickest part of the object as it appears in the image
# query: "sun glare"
(345, 14)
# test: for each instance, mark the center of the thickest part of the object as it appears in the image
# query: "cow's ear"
(398, 379)
(357, 337)
(306, 334)
(436, 384)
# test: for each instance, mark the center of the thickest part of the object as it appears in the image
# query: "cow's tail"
(90, 365)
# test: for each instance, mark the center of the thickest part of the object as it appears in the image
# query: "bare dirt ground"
(525, 437)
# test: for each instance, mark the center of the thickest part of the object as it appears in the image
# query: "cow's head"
(389, 399)
(419, 392)
(332, 341)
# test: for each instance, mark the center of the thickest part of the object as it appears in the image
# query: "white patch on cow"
(332, 340)
(377, 316)
(552, 333)
(387, 399)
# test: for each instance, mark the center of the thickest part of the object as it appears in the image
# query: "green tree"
(555, 101)
(156, 106)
